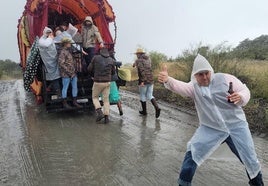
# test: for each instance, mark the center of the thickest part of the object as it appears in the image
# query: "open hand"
(163, 75)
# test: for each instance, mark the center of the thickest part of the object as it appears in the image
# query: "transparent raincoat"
(218, 118)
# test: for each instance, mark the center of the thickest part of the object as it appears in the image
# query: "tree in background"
(10, 69)
(157, 58)
(256, 49)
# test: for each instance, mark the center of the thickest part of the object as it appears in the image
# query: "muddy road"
(40, 149)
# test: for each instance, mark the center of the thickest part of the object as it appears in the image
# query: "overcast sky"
(168, 26)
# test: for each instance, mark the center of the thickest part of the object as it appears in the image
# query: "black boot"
(257, 181)
(119, 105)
(65, 104)
(143, 105)
(76, 104)
(99, 114)
(157, 109)
(106, 119)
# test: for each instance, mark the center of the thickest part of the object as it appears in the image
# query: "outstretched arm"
(180, 87)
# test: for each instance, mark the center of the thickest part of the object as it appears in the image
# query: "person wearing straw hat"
(68, 72)
(220, 120)
(146, 82)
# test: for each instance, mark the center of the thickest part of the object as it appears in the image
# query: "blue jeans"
(146, 92)
(189, 167)
(65, 85)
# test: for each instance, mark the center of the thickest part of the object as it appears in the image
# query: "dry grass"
(252, 73)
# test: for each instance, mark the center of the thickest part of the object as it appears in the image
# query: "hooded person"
(48, 54)
(219, 120)
(90, 34)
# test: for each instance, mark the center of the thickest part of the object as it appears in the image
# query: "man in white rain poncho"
(220, 121)
(48, 54)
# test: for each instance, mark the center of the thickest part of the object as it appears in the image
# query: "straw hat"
(140, 51)
(66, 40)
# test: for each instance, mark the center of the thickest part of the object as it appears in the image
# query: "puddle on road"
(71, 149)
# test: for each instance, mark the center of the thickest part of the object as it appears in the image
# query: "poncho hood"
(88, 18)
(201, 64)
(46, 31)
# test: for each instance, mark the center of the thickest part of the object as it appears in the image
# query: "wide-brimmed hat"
(66, 40)
(139, 51)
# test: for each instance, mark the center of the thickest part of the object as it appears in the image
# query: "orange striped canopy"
(36, 16)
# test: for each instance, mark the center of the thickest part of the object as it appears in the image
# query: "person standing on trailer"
(90, 34)
(48, 52)
(68, 73)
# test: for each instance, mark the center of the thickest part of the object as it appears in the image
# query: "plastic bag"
(114, 96)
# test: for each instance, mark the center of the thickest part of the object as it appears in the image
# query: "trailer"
(40, 13)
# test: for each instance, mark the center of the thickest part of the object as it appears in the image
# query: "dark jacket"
(144, 70)
(102, 68)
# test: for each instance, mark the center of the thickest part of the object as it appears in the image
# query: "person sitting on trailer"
(68, 73)
(48, 54)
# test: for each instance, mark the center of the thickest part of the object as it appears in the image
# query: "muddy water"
(37, 148)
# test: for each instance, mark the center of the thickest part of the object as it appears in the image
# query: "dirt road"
(40, 149)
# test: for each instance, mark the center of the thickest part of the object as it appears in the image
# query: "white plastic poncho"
(48, 54)
(69, 33)
(218, 119)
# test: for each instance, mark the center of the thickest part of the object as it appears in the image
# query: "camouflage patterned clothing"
(66, 63)
(144, 70)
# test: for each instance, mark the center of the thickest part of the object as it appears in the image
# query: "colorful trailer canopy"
(41, 13)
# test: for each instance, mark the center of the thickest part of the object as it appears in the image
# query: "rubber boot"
(157, 109)
(65, 104)
(119, 105)
(143, 105)
(76, 104)
(99, 114)
(257, 181)
(106, 119)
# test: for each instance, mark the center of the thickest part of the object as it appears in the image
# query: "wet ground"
(43, 149)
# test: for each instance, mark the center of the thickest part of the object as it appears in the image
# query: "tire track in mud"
(15, 165)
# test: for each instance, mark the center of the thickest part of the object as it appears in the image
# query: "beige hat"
(66, 40)
(140, 51)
